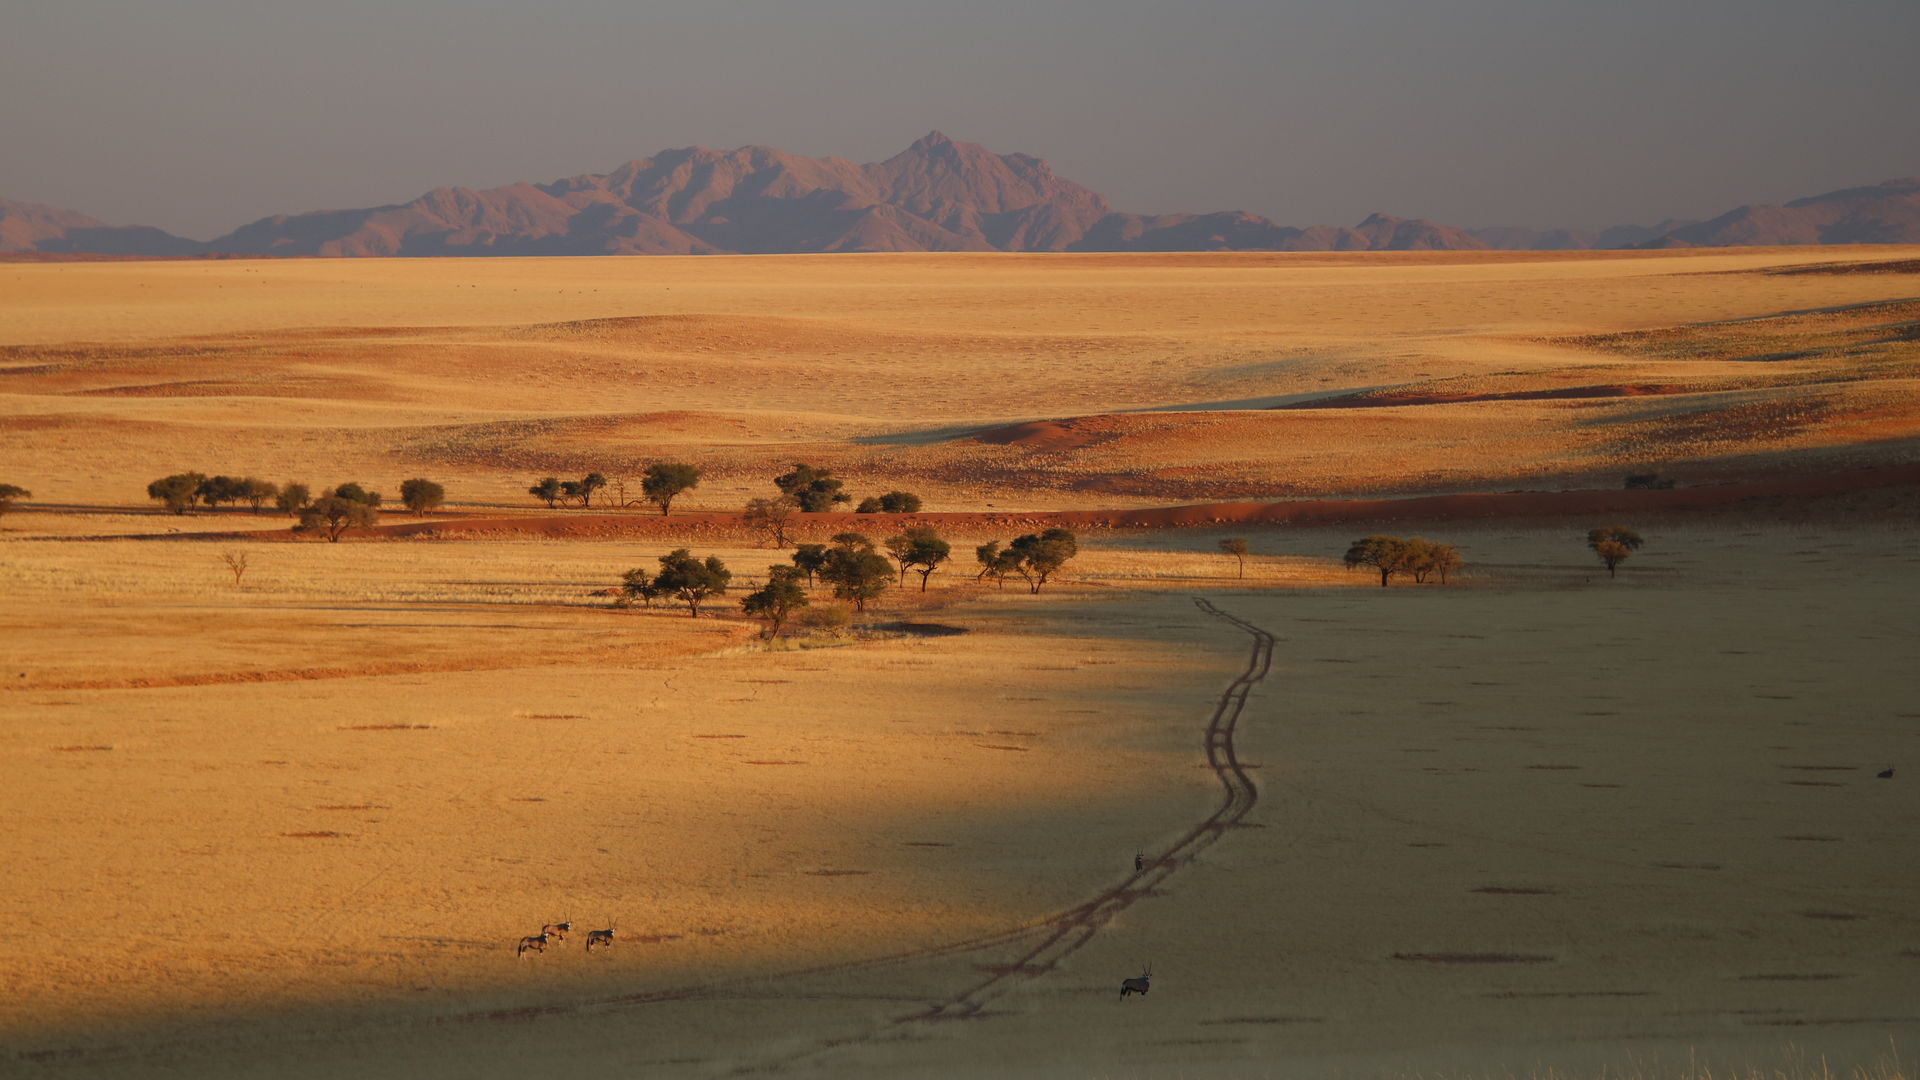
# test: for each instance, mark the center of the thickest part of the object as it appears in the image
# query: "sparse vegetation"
(10, 492)
(666, 479)
(816, 490)
(582, 488)
(771, 516)
(1614, 545)
(256, 492)
(777, 600)
(637, 584)
(995, 562)
(832, 620)
(1236, 546)
(419, 495)
(921, 550)
(1648, 482)
(690, 579)
(893, 502)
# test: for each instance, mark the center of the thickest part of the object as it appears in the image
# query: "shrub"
(10, 492)
(831, 619)
(293, 498)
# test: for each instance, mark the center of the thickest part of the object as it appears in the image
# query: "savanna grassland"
(293, 820)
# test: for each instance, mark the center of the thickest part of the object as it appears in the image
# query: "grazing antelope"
(600, 937)
(538, 943)
(1136, 986)
(557, 929)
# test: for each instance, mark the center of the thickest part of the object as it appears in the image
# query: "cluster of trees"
(183, 491)
(1419, 558)
(338, 509)
(1035, 557)
(662, 482)
(10, 492)
(681, 576)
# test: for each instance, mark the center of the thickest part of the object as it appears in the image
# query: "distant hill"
(28, 226)
(1885, 213)
(936, 195)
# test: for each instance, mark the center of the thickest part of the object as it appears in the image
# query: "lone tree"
(855, 570)
(816, 490)
(420, 496)
(995, 562)
(1614, 544)
(236, 564)
(919, 549)
(1236, 546)
(293, 498)
(10, 492)
(779, 598)
(548, 489)
(810, 559)
(893, 502)
(691, 580)
(177, 492)
(1039, 557)
(666, 479)
(771, 516)
(1387, 554)
(332, 515)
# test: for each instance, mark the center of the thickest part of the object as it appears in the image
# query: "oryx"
(601, 937)
(1136, 986)
(557, 929)
(538, 943)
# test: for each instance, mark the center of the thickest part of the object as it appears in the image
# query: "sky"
(197, 116)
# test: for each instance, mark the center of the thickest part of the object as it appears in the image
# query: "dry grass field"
(1534, 822)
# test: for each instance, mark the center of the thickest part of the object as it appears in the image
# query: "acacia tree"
(779, 598)
(549, 489)
(1236, 546)
(1387, 554)
(331, 515)
(420, 495)
(353, 492)
(921, 549)
(771, 516)
(1613, 544)
(995, 562)
(855, 570)
(1038, 557)
(1442, 559)
(666, 479)
(177, 492)
(293, 498)
(586, 486)
(810, 559)
(257, 491)
(816, 490)
(215, 490)
(691, 579)
(10, 492)
(637, 583)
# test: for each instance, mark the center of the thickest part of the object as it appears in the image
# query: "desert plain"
(1538, 820)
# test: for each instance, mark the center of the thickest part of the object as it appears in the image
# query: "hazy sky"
(199, 115)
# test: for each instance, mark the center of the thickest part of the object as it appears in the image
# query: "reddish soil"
(1389, 398)
(1482, 506)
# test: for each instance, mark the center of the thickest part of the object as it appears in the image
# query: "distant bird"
(1886, 773)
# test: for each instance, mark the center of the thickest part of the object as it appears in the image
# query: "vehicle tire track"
(1057, 936)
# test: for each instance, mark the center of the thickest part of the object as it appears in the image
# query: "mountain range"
(936, 195)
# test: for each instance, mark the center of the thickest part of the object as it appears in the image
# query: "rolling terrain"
(291, 819)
